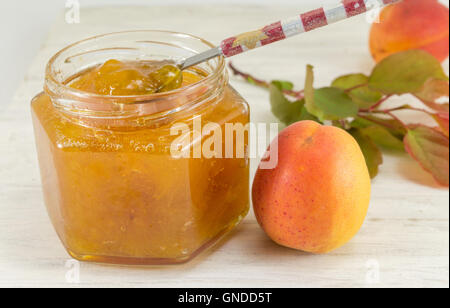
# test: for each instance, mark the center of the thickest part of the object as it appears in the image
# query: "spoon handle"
(281, 30)
(299, 24)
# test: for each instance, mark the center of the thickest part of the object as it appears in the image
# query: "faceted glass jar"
(114, 190)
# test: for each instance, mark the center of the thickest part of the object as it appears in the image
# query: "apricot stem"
(356, 87)
(376, 122)
(262, 83)
(376, 105)
(389, 112)
(403, 108)
(397, 119)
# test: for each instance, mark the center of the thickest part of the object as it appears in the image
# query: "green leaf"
(252, 81)
(286, 111)
(333, 104)
(309, 91)
(305, 115)
(432, 90)
(363, 96)
(327, 103)
(384, 137)
(394, 127)
(405, 72)
(379, 134)
(431, 149)
(283, 85)
(372, 154)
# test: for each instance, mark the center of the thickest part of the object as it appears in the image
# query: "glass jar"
(114, 190)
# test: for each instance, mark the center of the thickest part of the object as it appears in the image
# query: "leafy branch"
(355, 102)
(287, 86)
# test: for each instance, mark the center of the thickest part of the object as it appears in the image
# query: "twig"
(356, 87)
(381, 101)
(376, 121)
(262, 83)
(402, 108)
(397, 119)
(249, 78)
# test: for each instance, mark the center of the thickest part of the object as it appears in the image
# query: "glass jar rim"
(79, 93)
(65, 96)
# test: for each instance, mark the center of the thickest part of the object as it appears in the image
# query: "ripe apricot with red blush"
(317, 196)
(411, 24)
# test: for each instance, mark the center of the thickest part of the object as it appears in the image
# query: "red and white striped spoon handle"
(299, 24)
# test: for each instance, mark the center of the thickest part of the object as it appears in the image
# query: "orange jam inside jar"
(118, 184)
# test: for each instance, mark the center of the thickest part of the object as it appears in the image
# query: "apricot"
(411, 24)
(317, 197)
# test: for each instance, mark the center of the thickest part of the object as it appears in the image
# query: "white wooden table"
(404, 242)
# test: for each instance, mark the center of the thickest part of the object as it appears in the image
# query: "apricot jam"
(132, 78)
(114, 191)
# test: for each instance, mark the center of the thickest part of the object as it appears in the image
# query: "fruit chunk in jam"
(118, 78)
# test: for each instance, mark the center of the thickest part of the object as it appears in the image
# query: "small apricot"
(411, 24)
(317, 197)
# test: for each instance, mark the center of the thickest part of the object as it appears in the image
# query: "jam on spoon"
(117, 78)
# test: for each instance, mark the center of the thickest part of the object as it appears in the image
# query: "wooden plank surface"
(404, 241)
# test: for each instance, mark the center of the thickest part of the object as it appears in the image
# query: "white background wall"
(24, 24)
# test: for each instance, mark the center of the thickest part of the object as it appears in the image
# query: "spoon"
(281, 30)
